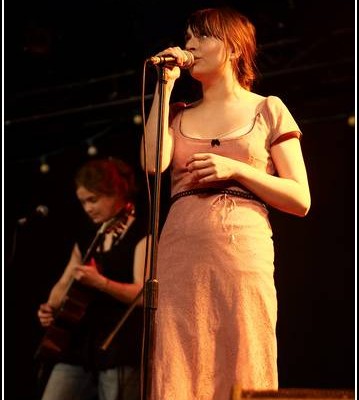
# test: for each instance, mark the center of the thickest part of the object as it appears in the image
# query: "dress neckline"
(232, 134)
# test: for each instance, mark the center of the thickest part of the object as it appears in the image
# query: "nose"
(191, 44)
(87, 207)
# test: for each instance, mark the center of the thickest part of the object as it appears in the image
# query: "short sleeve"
(283, 125)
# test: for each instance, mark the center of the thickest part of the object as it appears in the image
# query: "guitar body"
(58, 335)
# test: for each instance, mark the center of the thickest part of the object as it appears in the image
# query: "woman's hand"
(172, 72)
(46, 314)
(209, 167)
(89, 276)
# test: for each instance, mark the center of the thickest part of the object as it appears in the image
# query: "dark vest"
(103, 312)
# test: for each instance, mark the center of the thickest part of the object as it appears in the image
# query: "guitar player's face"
(98, 207)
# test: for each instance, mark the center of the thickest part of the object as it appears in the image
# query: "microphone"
(40, 211)
(170, 60)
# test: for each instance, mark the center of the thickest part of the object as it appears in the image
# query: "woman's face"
(209, 53)
(98, 207)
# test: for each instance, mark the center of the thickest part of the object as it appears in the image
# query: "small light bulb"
(351, 120)
(137, 119)
(92, 150)
(44, 167)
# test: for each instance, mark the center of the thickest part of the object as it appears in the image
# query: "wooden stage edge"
(292, 393)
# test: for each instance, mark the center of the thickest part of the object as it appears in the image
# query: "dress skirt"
(217, 303)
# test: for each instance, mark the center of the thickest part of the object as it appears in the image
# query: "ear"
(234, 55)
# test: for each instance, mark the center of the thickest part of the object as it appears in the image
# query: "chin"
(96, 220)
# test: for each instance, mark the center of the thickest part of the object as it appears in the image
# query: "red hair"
(237, 33)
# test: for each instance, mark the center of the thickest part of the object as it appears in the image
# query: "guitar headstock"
(119, 222)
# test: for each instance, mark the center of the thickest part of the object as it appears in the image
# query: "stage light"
(91, 149)
(44, 166)
(137, 119)
(351, 120)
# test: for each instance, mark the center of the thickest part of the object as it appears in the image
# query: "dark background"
(73, 74)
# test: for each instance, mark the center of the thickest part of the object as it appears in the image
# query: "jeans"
(72, 382)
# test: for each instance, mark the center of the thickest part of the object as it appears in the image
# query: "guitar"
(77, 296)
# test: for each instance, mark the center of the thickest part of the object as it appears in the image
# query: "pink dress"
(217, 304)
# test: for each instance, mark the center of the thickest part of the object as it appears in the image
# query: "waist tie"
(232, 192)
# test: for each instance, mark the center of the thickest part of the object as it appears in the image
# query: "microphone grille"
(189, 59)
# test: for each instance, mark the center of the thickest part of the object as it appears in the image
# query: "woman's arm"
(60, 288)
(125, 292)
(58, 291)
(151, 129)
(288, 192)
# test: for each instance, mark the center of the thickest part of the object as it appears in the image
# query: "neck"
(221, 89)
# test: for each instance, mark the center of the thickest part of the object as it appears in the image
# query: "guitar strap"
(118, 225)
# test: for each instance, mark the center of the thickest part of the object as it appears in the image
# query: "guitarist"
(113, 275)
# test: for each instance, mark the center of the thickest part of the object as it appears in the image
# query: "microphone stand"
(150, 290)
(151, 286)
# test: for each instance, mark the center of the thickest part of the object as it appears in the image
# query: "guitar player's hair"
(108, 176)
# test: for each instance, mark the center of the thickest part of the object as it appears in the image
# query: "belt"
(232, 192)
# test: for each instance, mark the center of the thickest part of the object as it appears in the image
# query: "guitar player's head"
(104, 187)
